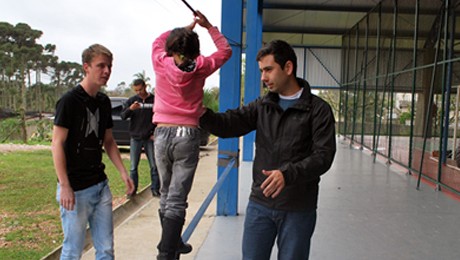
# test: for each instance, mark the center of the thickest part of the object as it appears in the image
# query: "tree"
(20, 44)
(42, 64)
(122, 90)
(20, 58)
(211, 98)
(65, 75)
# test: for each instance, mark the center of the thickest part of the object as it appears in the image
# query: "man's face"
(140, 90)
(272, 75)
(98, 70)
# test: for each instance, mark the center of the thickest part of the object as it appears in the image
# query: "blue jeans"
(93, 205)
(135, 155)
(177, 151)
(263, 225)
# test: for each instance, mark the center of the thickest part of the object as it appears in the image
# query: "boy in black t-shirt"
(82, 125)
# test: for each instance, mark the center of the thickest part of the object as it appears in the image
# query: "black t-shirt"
(87, 119)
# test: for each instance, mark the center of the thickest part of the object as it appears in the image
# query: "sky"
(126, 27)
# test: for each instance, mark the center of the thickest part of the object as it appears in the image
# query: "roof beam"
(345, 8)
(335, 31)
(317, 7)
(306, 30)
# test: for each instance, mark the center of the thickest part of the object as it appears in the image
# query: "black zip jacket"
(140, 125)
(300, 142)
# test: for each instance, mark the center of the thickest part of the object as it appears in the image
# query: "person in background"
(295, 145)
(180, 73)
(139, 108)
(82, 126)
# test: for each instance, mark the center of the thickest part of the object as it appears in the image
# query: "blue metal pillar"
(252, 73)
(230, 81)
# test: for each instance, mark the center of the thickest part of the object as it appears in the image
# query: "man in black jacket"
(140, 109)
(295, 145)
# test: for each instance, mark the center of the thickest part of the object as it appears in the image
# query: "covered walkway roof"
(312, 22)
(324, 22)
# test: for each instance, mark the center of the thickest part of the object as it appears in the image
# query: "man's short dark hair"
(138, 82)
(184, 42)
(281, 51)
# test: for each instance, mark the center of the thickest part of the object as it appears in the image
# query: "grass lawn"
(30, 226)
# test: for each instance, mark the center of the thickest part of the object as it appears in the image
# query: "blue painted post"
(252, 73)
(229, 98)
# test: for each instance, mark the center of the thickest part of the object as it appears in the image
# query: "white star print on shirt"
(93, 122)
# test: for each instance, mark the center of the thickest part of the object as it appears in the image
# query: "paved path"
(366, 211)
(137, 237)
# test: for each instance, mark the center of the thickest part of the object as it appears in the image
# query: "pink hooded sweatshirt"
(179, 94)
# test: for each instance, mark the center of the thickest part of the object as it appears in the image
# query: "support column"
(252, 73)
(229, 97)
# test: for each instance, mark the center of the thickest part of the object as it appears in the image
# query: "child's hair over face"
(183, 41)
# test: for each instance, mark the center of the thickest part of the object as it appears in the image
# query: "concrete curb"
(120, 214)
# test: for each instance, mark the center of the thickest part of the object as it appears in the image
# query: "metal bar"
(444, 124)
(385, 85)
(454, 146)
(392, 86)
(446, 84)
(377, 67)
(430, 103)
(414, 82)
(355, 94)
(318, 7)
(345, 121)
(363, 114)
(337, 8)
(190, 7)
(199, 214)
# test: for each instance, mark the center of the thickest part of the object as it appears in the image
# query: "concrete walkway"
(366, 211)
(137, 237)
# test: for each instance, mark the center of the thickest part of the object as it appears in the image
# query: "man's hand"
(67, 197)
(135, 106)
(274, 183)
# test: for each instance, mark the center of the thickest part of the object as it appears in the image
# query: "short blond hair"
(94, 50)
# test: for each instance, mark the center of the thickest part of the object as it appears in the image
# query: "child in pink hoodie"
(180, 73)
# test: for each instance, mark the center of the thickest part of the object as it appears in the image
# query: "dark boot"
(172, 230)
(182, 248)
